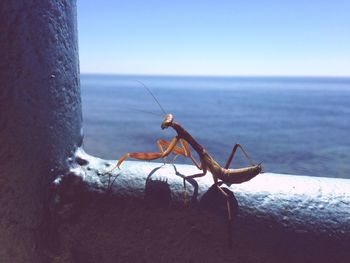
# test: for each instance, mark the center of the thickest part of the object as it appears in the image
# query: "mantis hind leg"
(229, 205)
(185, 194)
(147, 156)
(135, 155)
(234, 150)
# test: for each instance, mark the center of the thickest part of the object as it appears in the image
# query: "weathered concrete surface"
(40, 116)
(139, 215)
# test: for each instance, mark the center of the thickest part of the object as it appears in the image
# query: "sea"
(293, 125)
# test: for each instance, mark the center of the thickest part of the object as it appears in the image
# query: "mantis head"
(168, 120)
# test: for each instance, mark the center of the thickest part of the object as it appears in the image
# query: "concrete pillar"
(40, 117)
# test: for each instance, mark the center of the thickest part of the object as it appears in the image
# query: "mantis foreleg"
(184, 150)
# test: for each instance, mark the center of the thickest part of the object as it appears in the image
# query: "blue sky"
(230, 38)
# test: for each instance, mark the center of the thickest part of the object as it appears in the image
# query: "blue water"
(293, 125)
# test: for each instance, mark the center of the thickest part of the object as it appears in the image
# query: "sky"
(215, 38)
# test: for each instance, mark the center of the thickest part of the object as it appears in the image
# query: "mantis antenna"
(154, 97)
(145, 111)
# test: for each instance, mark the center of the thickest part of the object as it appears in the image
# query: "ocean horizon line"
(215, 76)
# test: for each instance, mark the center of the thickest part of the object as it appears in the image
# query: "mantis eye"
(168, 119)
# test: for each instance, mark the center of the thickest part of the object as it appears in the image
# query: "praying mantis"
(180, 145)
